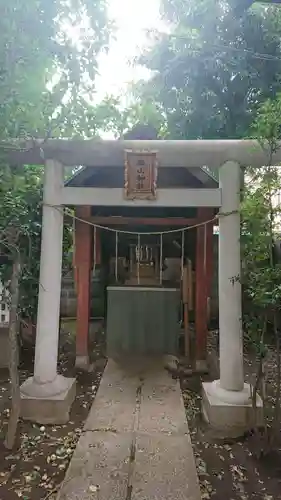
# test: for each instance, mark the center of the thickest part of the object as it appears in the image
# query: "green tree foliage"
(261, 212)
(261, 277)
(21, 215)
(211, 70)
(48, 65)
(240, 6)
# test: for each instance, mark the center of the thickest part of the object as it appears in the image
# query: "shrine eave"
(84, 176)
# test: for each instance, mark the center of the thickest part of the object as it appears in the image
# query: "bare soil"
(36, 468)
(231, 470)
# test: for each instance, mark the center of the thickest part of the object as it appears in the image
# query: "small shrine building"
(140, 205)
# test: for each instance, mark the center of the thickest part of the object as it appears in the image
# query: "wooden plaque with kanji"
(140, 175)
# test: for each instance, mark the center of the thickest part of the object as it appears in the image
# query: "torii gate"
(47, 396)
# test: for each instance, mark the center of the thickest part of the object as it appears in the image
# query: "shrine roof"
(168, 177)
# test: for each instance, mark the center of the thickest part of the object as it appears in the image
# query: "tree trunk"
(14, 357)
(276, 419)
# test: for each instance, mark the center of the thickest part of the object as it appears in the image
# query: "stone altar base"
(229, 412)
(47, 403)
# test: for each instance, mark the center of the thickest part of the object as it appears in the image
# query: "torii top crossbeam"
(110, 153)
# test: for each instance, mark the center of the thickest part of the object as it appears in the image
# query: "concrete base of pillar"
(82, 363)
(229, 412)
(47, 403)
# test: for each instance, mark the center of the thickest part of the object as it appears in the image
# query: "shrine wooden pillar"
(209, 260)
(203, 273)
(97, 247)
(83, 265)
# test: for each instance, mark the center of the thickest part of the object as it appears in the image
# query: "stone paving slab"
(162, 409)
(164, 469)
(99, 468)
(148, 368)
(135, 444)
(116, 374)
(113, 409)
(116, 417)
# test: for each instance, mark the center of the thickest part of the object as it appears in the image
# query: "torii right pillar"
(227, 404)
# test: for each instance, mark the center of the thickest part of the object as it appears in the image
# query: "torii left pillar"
(47, 396)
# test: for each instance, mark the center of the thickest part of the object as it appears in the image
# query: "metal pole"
(138, 263)
(116, 256)
(182, 253)
(205, 248)
(95, 250)
(161, 258)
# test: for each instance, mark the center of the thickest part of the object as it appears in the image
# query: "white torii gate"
(47, 396)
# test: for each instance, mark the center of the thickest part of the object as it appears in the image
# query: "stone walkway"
(135, 444)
